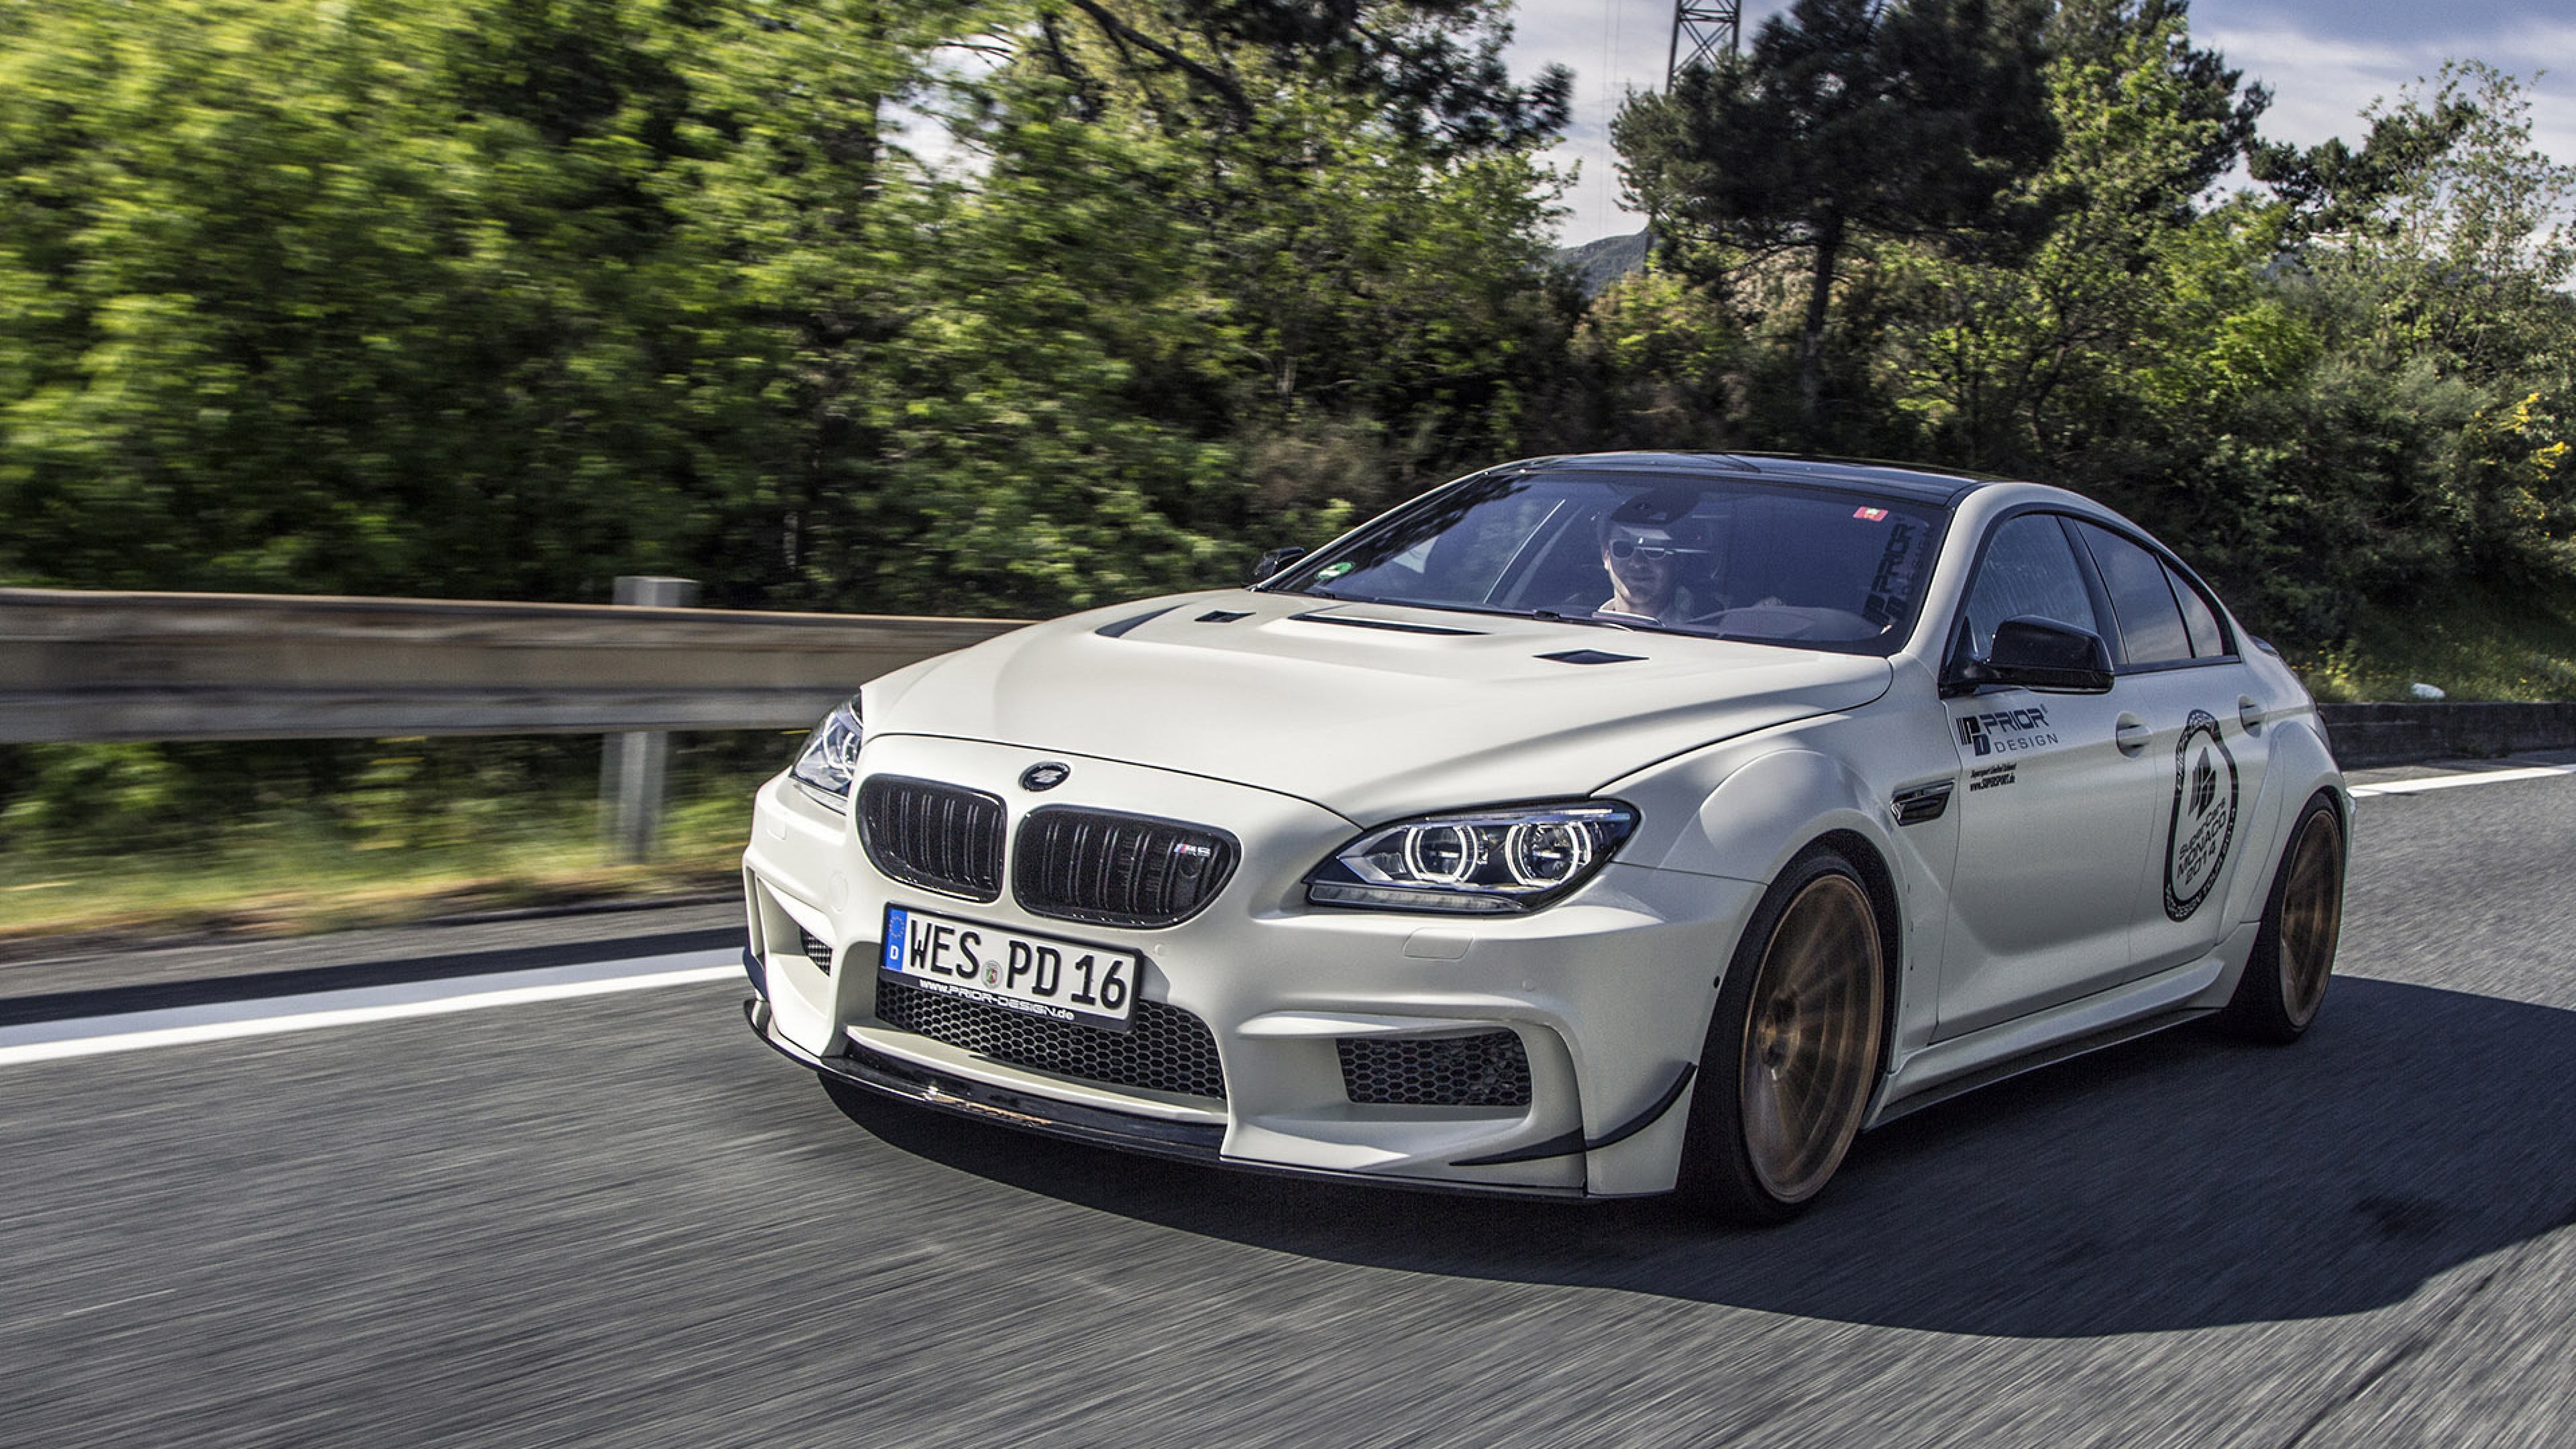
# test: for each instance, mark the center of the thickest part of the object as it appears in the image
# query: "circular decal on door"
(2204, 815)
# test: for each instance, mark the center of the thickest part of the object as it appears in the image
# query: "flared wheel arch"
(1880, 883)
(1862, 857)
(2256, 1008)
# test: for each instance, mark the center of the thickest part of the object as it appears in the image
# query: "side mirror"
(2035, 653)
(1275, 560)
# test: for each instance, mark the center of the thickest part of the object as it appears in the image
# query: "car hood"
(1369, 710)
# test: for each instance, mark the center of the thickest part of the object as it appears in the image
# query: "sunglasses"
(1624, 548)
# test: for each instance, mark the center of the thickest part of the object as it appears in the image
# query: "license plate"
(1039, 975)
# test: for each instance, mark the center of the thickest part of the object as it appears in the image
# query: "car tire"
(1794, 1047)
(2285, 978)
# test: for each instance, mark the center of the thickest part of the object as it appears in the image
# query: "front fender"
(1764, 812)
(1745, 814)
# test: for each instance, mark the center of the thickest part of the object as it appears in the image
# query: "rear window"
(2208, 640)
(2151, 624)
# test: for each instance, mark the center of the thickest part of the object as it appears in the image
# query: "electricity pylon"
(1701, 28)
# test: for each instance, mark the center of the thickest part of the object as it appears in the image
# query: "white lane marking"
(119, 1302)
(2479, 777)
(46, 1041)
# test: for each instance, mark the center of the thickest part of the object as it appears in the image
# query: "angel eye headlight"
(830, 759)
(1442, 854)
(1544, 853)
(1513, 858)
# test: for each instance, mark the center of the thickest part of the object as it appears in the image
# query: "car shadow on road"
(2178, 1182)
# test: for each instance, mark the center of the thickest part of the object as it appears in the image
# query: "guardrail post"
(634, 766)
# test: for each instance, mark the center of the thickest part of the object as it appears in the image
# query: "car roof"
(1913, 482)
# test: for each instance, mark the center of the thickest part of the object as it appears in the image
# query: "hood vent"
(1392, 626)
(1118, 627)
(1591, 656)
(1222, 616)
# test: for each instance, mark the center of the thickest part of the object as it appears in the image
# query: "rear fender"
(2299, 765)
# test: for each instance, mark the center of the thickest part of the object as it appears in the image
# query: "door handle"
(2131, 734)
(2249, 711)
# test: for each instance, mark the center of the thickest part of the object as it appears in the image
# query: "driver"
(1647, 557)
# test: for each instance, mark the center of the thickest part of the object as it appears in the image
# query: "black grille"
(1117, 870)
(937, 836)
(815, 951)
(1488, 1070)
(1164, 1048)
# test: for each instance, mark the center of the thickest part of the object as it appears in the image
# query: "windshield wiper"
(1554, 617)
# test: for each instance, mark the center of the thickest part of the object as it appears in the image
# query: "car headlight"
(1514, 858)
(830, 758)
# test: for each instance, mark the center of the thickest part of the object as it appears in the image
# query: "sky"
(2325, 60)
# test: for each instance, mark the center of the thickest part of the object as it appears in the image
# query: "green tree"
(1370, 222)
(2443, 271)
(1844, 121)
(2135, 307)
(359, 297)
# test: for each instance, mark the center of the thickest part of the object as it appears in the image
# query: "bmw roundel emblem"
(1044, 777)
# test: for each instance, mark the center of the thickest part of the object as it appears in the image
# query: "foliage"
(507, 297)
(1012, 306)
(1846, 120)
(127, 839)
(2342, 395)
(349, 298)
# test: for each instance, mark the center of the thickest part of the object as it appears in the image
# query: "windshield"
(1729, 558)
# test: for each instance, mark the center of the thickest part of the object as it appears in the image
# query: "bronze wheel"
(1794, 1050)
(2285, 979)
(2311, 916)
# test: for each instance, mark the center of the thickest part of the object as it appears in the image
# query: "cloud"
(1613, 47)
(2325, 60)
(2322, 81)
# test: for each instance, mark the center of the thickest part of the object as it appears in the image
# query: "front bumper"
(1092, 1126)
(1608, 992)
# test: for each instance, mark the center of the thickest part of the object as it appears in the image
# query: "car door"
(2051, 806)
(2181, 677)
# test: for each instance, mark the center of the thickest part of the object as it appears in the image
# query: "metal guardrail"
(78, 665)
(2404, 733)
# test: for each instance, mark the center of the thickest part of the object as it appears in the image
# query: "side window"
(2151, 627)
(2208, 641)
(2029, 568)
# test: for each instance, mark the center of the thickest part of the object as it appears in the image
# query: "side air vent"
(1922, 803)
(1490, 1069)
(815, 950)
(936, 836)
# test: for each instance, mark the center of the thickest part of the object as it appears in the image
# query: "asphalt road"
(619, 1220)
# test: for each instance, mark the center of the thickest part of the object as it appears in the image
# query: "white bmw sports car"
(1589, 826)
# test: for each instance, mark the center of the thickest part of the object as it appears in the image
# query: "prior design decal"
(2204, 815)
(2006, 731)
(1992, 777)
